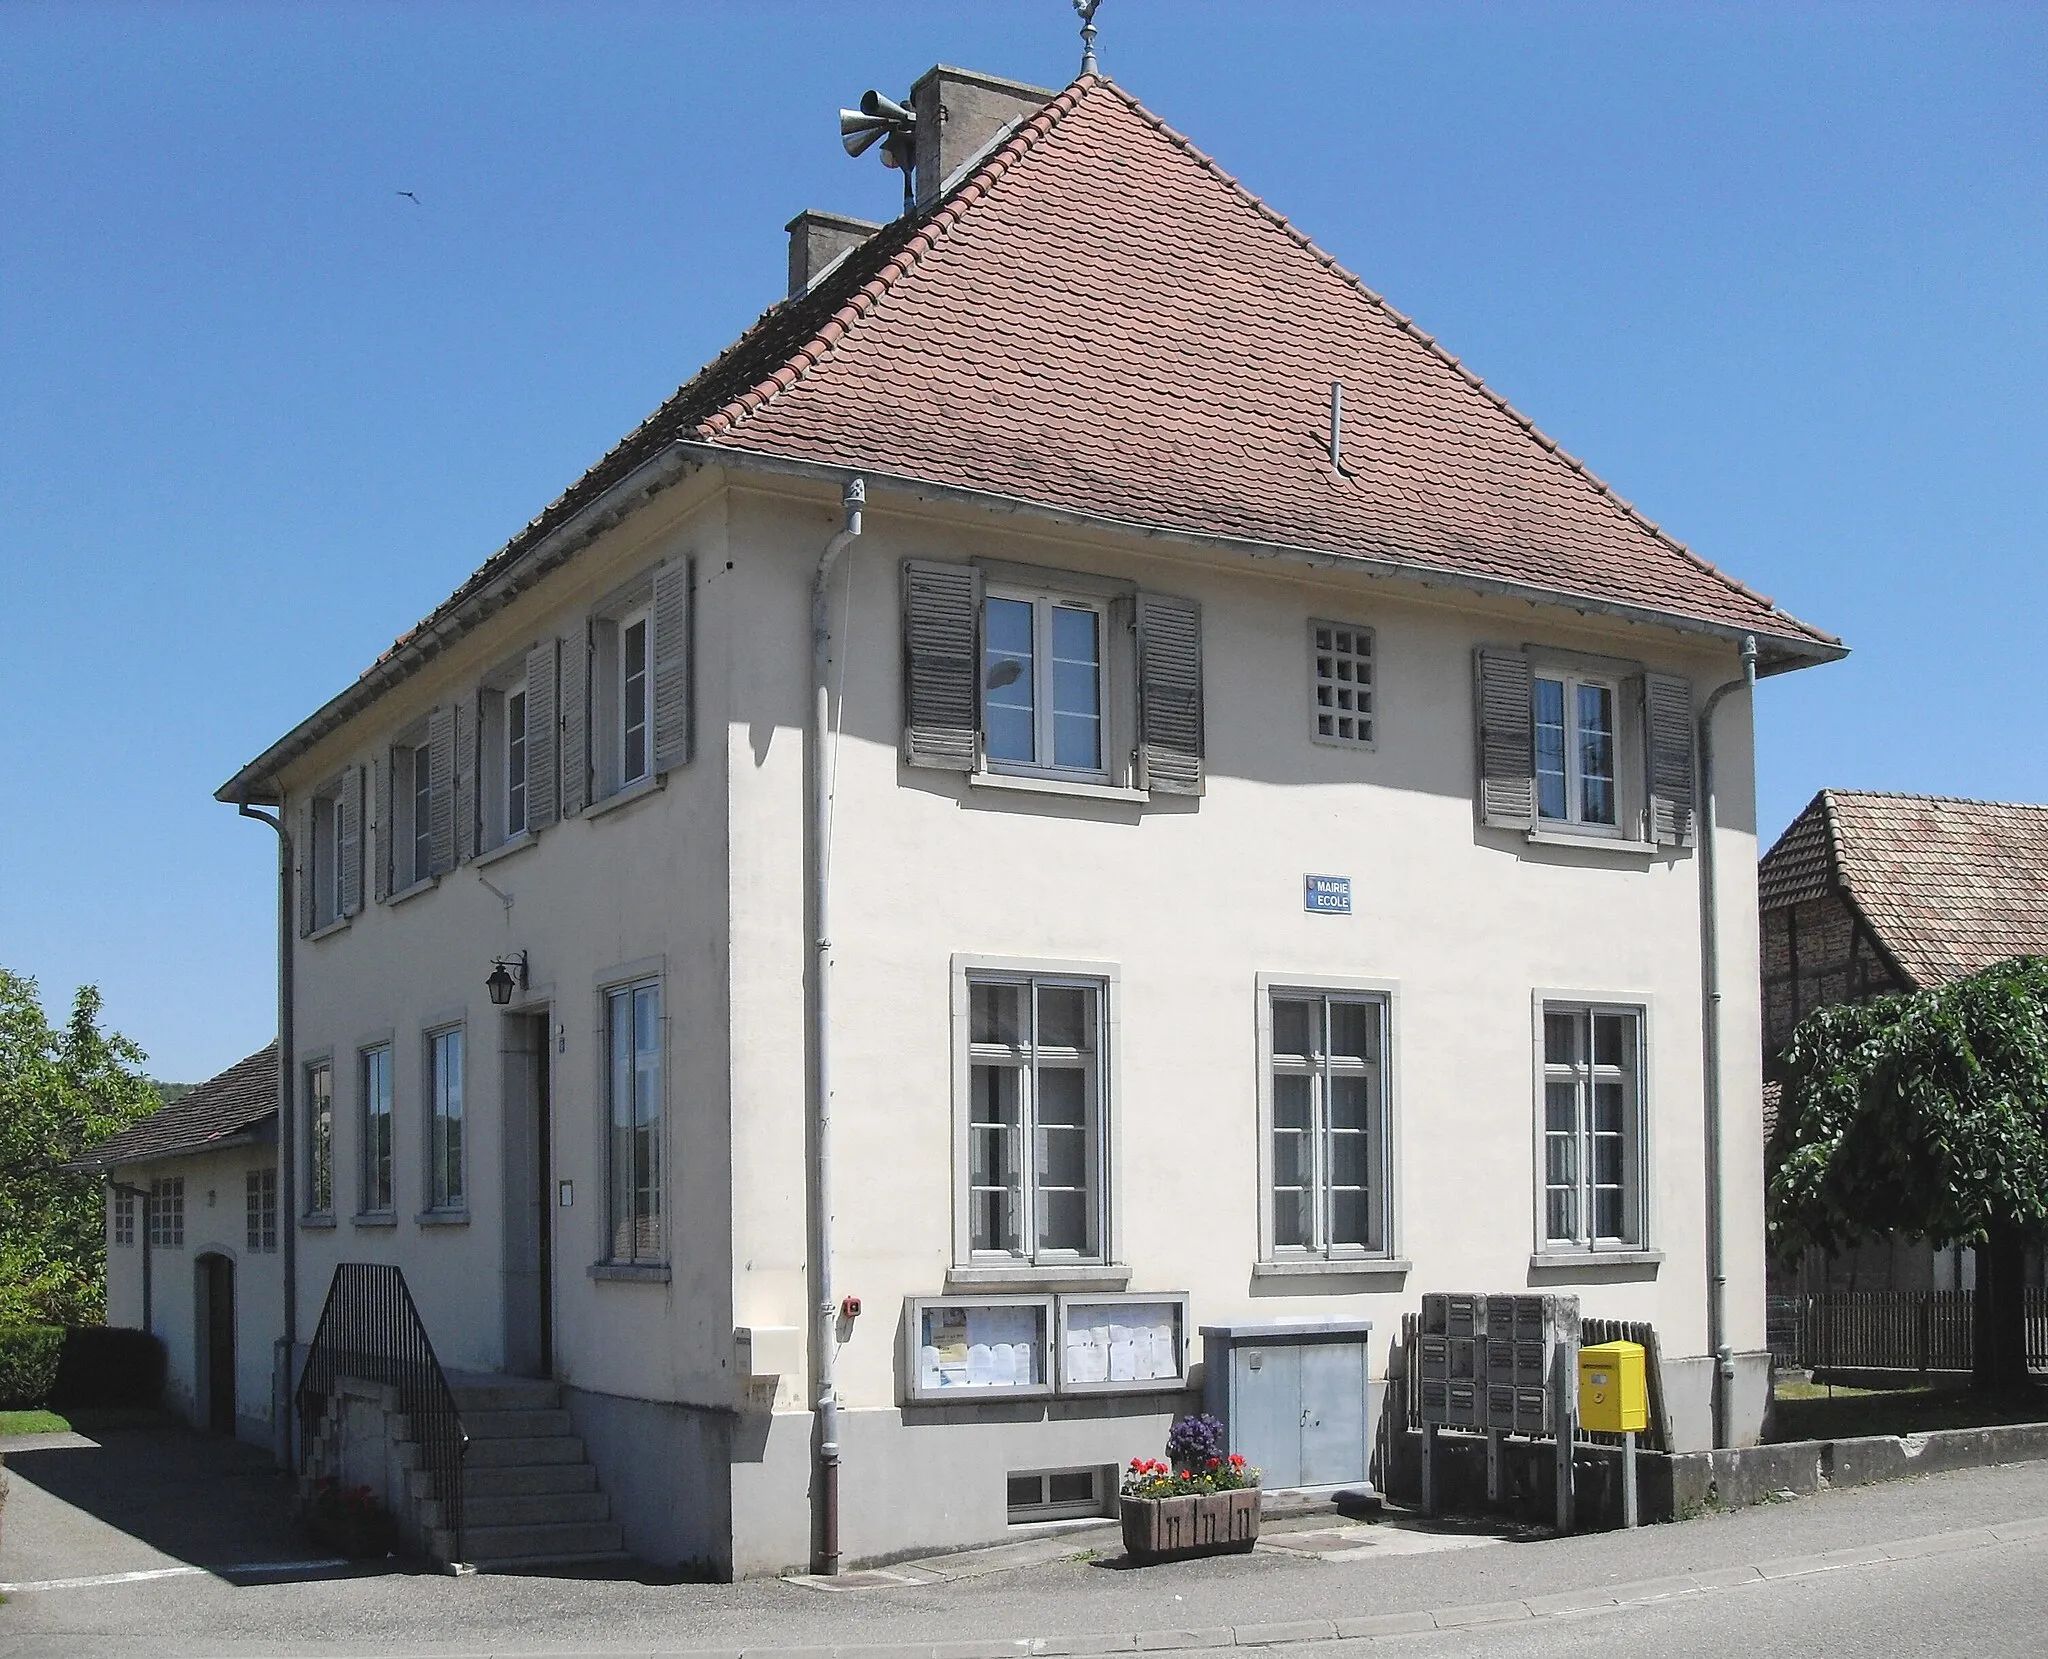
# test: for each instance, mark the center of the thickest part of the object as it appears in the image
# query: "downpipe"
(287, 1126)
(1710, 980)
(825, 1333)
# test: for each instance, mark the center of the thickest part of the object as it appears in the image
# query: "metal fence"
(1889, 1330)
(369, 1329)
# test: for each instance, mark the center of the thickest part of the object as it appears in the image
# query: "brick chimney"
(816, 240)
(958, 112)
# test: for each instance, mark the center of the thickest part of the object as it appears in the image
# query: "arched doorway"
(214, 1336)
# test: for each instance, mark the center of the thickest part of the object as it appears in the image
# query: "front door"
(217, 1334)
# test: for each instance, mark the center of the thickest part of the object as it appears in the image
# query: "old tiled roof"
(218, 1111)
(1948, 886)
(1100, 321)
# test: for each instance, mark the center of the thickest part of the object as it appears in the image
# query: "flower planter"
(1175, 1529)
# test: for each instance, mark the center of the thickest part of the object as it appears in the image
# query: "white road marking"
(97, 1580)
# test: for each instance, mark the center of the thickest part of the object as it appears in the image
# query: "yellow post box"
(1614, 1390)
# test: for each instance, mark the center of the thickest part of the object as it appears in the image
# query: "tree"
(1926, 1115)
(61, 1093)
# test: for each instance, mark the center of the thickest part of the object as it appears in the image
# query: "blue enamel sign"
(1326, 895)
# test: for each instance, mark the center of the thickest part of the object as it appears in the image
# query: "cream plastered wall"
(636, 891)
(216, 1223)
(1190, 902)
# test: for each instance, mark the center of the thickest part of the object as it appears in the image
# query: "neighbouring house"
(1866, 893)
(192, 1243)
(1237, 865)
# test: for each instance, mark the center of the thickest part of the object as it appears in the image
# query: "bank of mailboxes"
(1487, 1361)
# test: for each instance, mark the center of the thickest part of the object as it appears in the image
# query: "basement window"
(1055, 1494)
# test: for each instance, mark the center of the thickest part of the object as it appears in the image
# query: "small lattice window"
(124, 1215)
(1056, 1494)
(1340, 683)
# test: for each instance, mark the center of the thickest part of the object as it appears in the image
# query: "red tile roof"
(1101, 321)
(1948, 886)
(218, 1112)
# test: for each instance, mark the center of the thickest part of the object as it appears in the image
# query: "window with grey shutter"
(675, 598)
(575, 721)
(540, 736)
(348, 808)
(941, 706)
(309, 890)
(469, 736)
(386, 830)
(441, 789)
(1169, 695)
(1507, 743)
(1668, 740)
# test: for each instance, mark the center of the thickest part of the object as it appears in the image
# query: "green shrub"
(28, 1364)
(108, 1366)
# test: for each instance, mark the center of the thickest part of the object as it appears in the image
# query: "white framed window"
(1577, 723)
(1328, 1118)
(320, 1138)
(1057, 1494)
(377, 1195)
(326, 856)
(260, 1197)
(445, 1121)
(1592, 1127)
(634, 732)
(124, 1216)
(1042, 683)
(1034, 1185)
(1340, 674)
(515, 763)
(633, 1114)
(408, 800)
(167, 1213)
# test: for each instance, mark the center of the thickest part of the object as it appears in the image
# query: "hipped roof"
(1099, 321)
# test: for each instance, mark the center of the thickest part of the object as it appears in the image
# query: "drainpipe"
(824, 1333)
(1710, 977)
(287, 1124)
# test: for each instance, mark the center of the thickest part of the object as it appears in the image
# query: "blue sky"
(1776, 273)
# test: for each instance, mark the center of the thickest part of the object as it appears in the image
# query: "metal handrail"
(370, 1329)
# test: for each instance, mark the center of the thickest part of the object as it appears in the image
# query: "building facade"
(1261, 846)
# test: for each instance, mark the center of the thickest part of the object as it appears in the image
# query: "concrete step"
(522, 1480)
(534, 1509)
(515, 1450)
(481, 1391)
(505, 1425)
(484, 1544)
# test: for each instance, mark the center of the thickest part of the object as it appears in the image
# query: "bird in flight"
(415, 200)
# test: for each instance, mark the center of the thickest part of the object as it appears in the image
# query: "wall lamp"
(502, 982)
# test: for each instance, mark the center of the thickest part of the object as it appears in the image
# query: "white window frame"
(408, 850)
(1043, 602)
(515, 791)
(1571, 679)
(1030, 1262)
(123, 1221)
(260, 1202)
(446, 1196)
(641, 617)
(366, 1174)
(318, 1143)
(167, 1213)
(323, 858)
(1322, 1257)
(609, 997)
(1328, 684)
(1638, 1185)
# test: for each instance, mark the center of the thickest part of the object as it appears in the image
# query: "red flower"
(1215, 1462)
(1237, 1460)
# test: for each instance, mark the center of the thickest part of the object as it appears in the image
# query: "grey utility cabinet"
(1293, 1397)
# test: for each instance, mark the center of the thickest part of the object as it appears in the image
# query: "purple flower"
(1194, 1441)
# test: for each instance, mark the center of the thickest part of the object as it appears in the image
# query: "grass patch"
(1812, 1411)
(32, 1422)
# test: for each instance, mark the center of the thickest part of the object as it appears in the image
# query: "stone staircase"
(529, 1495)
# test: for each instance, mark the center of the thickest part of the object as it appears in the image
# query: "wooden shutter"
(1507, 739)
(1169, 695)
(575, 722)
(540, 736)
(469, 735)
(1668, 746)
(348, 836)
(441, 789)
(674, 628)
(309, 826)
(941, 677)
(383, 851)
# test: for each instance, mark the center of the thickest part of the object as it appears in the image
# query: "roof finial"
(1087, 10)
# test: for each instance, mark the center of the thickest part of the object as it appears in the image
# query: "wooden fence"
(1889, 1330)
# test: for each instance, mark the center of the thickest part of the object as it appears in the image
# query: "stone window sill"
(1591, 843)
(327, 930)
(620, 798)
(505, 849)
(425, 884)
(442, 1218)
(1567, 1260)
(323, 1221)
(1029, 785)
(651, 1273)
(1337, 1267)
(1023, 1276)
(376, 1218)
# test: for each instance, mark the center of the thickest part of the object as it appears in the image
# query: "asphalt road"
(66, 1518)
